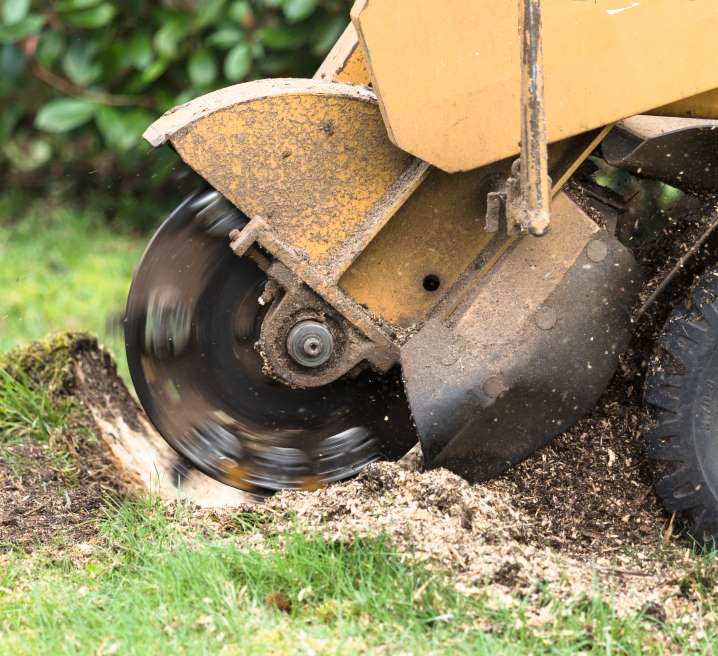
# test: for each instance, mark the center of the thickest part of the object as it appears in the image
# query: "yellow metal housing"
(312, 159)
(447, 72)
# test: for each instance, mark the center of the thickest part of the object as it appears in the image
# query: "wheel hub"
(310, 344)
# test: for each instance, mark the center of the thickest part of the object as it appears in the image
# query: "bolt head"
(310, 343)
(312, 346)
(597, 250)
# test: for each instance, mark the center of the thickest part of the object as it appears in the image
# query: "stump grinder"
(400, 249)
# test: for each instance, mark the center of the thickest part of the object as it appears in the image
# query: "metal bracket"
(292, 300)
(507, 210)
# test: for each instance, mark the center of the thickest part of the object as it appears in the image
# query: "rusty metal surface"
(438, 231)
(680, 151)
(328, 181)
(534, 200)
(603, 61)
(257, 233)
(496, 374)
(311, 158)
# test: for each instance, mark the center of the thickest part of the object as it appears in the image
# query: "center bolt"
(310, 343)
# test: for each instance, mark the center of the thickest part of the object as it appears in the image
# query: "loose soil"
(41, 508)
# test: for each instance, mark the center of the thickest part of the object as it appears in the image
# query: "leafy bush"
(80, 80)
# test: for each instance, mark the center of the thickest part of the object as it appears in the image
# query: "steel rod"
(535, 182)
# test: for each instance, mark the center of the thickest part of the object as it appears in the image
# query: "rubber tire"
(682, 386)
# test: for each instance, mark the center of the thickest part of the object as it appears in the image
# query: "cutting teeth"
(238, 474)
(168, 324)
(149, 369)
(312, 483)
(223, 417)
(219, 218)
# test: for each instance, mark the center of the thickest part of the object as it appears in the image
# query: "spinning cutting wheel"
(192, 322)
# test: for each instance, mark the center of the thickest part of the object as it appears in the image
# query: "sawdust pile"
(586, 493)
(515, 533)
(578, 517)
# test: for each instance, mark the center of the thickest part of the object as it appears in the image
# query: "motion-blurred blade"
(191, 325)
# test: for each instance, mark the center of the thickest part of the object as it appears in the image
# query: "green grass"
(29, 415)
(156, 584)
(62, 269)
(26, 412)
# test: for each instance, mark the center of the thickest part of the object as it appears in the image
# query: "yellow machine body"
(447, 72)
(339, 194)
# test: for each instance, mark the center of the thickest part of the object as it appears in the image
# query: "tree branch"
(70, 89)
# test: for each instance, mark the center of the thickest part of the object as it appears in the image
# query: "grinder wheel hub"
(310, 343)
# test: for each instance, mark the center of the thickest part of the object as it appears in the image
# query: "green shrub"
(80, 80)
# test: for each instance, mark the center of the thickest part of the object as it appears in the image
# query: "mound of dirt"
(50, 492)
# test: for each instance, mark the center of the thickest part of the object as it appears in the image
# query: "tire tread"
(689, 335)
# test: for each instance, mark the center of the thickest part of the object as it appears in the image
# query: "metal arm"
(528, 190)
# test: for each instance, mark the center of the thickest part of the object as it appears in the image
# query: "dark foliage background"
(80, 80)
